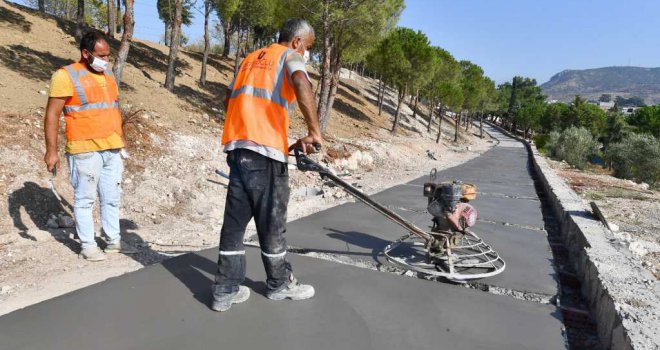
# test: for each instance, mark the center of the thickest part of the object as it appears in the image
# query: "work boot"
(121, 247)
(293, 290)
(92, 254)
(224, 302)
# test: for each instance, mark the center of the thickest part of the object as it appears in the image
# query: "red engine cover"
(463, 217)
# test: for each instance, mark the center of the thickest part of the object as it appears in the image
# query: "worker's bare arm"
(51, 128)
(305, 97)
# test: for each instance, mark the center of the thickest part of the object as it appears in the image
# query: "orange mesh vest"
(92, 112)
(260, 100)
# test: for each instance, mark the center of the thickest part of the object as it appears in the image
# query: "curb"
(623, 297)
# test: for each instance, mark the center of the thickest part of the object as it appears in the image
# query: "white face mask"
(306, 53)
(98, 64)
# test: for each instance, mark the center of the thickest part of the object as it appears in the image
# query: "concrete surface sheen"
(354, 309)
(510, 220)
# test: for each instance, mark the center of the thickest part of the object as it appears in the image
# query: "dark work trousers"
(259, 188)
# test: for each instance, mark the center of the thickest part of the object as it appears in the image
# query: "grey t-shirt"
(295, 62)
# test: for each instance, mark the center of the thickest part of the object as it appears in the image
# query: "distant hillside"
(591, 83)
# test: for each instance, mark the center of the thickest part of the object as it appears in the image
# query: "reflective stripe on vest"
(263, 93)
(75, 78)
(275, 95)
(86, 107)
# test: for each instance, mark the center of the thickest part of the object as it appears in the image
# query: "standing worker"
(87, 94)
(266, 87)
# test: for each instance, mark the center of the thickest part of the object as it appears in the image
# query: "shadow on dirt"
(14, 19)
(31, 63)
(39, 203)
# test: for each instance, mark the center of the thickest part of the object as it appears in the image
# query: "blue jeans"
(91, 173)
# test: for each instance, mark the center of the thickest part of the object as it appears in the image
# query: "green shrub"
(540, 140)
(575, 146)
(637, 157)
(550, 147)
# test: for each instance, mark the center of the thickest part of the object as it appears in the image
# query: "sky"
(539, 38)
(531, 38)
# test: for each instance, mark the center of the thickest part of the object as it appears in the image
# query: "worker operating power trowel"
(268, 83)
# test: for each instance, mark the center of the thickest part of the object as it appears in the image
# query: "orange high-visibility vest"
(92, 112)
(260, 100)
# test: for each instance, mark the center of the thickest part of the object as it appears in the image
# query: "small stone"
(42, 92)
(614, 227)
(66, 221)
(5, 290)
(53, 223)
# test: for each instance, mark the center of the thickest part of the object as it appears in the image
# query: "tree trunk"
(126, 38)
(112, 23)
(166, 35)
(322, 108)
(379, 99)
(335, 69)
(481, 125)
(246, 46)
(458, 122)
(442, 116)
(416, 101)
(239, 40)
(402, 95)
(226, 28)
(381, 95)
(207, 42)
(428, 127)
(80, 19)
(174, 45)
(334, 83)
(119, 28)
(42, 6)
(468, 121)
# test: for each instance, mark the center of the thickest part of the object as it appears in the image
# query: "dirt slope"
(173, 202)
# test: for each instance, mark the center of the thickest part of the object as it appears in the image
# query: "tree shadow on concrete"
(13, 19)
(31, 63)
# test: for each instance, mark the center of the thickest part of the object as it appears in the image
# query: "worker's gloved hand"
(309, 144)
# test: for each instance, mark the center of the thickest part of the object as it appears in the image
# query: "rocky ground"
(631, 209)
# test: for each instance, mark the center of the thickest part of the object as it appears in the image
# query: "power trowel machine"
(450, 250)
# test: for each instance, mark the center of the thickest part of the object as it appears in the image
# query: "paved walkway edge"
(609, 275)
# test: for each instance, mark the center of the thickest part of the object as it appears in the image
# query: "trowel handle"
(54, 171)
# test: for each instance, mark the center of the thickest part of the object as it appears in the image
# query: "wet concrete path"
(165, 306)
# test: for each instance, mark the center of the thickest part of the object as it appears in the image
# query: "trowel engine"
(448, 204)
